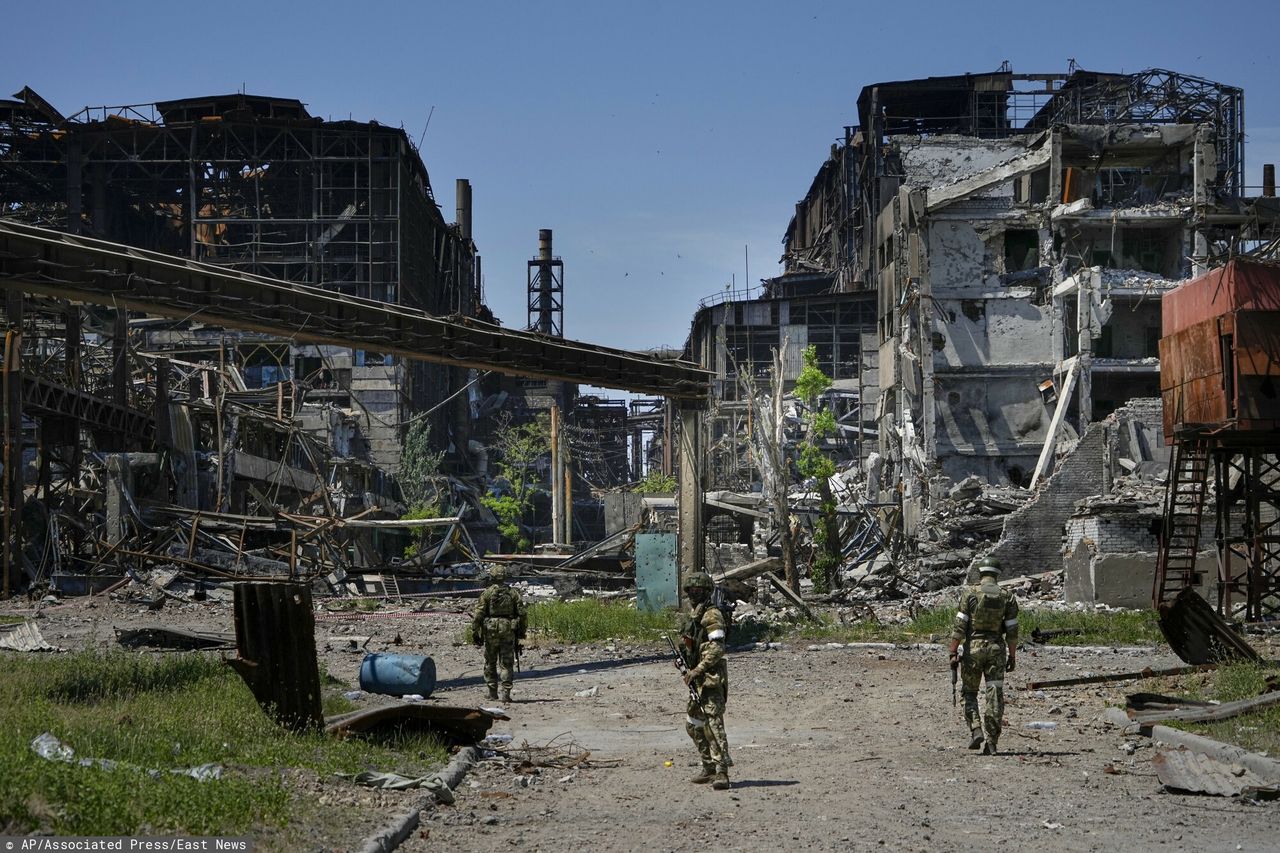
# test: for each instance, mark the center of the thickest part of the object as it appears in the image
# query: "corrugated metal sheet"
(1190, 772)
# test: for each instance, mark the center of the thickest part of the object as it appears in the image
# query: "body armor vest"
(988, 610)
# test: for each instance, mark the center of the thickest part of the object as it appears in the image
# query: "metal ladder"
(391, 586)
(1180, 531)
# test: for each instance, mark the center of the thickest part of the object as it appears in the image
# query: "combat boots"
(721, 782)
(506, 694)
(493, 693)
(976, 741)
(708, 773)
(989, 748)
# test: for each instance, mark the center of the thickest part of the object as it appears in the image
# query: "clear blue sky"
(656, 138)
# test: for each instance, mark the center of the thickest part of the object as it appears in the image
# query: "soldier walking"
(499, 624)
(707, 675)
(987, 625)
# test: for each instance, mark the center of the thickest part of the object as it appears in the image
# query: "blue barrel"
(397, 675)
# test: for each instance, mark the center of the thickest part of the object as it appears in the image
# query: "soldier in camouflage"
(498, 624)
(708, 674)
(987, 625)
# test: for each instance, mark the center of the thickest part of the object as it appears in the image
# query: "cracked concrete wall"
(991, 347)
(939, 160)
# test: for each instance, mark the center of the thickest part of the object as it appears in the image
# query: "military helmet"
(988, 566)
(497, 574)
(697, 580)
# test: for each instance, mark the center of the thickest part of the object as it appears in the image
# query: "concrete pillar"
(689, 494)
(556, 479)
(1084, 325)
(119, 477)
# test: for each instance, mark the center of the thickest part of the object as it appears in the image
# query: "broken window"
(1021, 249)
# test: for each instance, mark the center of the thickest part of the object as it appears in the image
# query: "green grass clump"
(1126, 628)
(589, 621)
(1257, 731)
(156, 714)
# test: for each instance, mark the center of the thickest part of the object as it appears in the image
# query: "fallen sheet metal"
(26, 637)
(1148, 672)
(453, 723)
(165, 637)
(1185, 772)
(1198, 635)
(1205, 713)
(1161, 702)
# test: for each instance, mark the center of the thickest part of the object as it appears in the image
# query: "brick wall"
(1032, 538)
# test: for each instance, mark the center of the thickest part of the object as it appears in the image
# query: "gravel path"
(835, 749)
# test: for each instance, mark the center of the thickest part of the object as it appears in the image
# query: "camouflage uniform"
(709, 676)
(499, 622)
(987, 623)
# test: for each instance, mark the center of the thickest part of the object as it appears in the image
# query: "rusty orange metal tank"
(1220, 353)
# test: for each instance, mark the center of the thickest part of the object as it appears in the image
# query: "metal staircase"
(1183, 510)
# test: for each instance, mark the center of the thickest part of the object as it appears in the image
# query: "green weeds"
(156, 714)
(589, 621)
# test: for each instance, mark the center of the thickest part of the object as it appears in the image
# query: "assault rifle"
(683, 665)
(955, 669)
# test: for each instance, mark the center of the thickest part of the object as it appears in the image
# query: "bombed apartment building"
(1018, 231)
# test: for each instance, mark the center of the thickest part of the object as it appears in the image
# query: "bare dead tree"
(767, 446)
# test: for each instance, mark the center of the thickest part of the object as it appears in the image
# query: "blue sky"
(657, 139)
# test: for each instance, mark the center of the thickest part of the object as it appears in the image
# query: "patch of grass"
(589, 621)
(12, 620)
(160, 713)
(1126, 628)
(1258, 731)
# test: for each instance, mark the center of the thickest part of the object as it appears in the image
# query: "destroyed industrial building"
(225, 425)
(978, 267)
(996, 247)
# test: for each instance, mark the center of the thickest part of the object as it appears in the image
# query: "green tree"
(419, 465)
(657, 483)
(419, 471)
(811, 384)
(519, 448)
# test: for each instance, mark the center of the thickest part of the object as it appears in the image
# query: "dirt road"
(834, 749)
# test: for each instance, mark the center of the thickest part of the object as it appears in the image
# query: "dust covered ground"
(834, 749)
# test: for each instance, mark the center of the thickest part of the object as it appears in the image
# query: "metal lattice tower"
(546, 289)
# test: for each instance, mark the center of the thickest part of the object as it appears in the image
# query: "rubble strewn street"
(345, 504)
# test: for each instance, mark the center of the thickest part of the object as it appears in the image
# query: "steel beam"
(37, 260)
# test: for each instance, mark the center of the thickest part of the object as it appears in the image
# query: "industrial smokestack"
(545, 282)
(463, 194)
(1269, 179)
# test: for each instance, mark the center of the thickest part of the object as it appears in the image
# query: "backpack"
(726, 605)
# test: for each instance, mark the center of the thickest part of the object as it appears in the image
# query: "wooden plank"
(791, 596)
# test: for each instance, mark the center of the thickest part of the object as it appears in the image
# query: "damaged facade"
(1018, 231)
(248, 425)
(260, 185)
